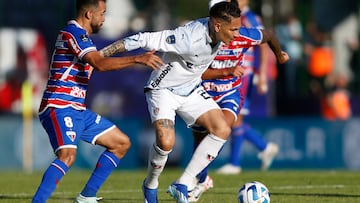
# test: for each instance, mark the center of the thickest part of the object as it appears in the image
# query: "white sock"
(156, 163)
(204, 154)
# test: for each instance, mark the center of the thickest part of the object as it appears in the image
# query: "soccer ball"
(253, 192)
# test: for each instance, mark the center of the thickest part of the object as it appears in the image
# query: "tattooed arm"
(113, 48)
(102, 61)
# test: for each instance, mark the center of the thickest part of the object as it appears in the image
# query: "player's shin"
(205, 153)
(106, 164)
(50, 179)
(157, 160)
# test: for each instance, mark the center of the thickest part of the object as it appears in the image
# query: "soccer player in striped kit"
(256, 59)
(63, 113)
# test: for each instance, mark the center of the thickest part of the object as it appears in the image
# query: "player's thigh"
(230, 105)
(114, 139)
(196, 104)
(214, 121)
(63, 126)
(162, 104)
(101, 131)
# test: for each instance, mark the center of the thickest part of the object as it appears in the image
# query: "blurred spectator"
(23, 57)
(342, 25)
(118, 14)
(290, 33)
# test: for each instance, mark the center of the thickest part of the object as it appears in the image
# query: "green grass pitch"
(286, 186)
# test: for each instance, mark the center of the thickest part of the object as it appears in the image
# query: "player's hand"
(238, 71)
(262, 85)
(150, 59)
(283, 58)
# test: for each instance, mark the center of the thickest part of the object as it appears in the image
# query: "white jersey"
(187, 54)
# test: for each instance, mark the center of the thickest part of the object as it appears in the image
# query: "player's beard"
(97, 28)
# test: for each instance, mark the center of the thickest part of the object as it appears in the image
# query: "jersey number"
(204, 94)
(68, 122)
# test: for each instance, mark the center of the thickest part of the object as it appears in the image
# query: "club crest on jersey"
(84, 38)
(156, 111)
(210, 157)
(170, 39)
(71, 135)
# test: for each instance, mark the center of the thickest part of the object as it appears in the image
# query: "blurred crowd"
(319, 80)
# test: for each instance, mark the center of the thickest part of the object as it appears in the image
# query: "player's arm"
(270, 38)
(211, 73)
(100, 63)
(113, 48)
(176, 41)
(264, 58)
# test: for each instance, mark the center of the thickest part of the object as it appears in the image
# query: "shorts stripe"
(56, 127)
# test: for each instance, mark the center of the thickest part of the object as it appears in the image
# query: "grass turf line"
(286, 186)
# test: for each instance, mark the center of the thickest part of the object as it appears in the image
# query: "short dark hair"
(225, 11)
(80, 4)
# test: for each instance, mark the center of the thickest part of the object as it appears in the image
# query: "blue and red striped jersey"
(68, 74)
(229, 56)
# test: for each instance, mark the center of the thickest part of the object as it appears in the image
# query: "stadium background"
(28, 30)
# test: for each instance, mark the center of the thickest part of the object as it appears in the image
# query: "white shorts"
(164, 104)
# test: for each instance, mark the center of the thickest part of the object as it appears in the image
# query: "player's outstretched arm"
(270, 38)
(101, 63)
(113, 48)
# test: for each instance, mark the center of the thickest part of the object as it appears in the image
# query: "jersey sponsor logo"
(238, 42)
(161, 76)
(71, 135)
(211, 86)
(170, 39)
(224, 64)
(77, 92)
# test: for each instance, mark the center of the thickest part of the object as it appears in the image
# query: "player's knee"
(67, 156)
(120, 148)
(223, 132)
(166, 144)
(126, 144)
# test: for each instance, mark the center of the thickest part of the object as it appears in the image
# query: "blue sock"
(254, 137)
(237, 138)
(51, 178)
(105, 165)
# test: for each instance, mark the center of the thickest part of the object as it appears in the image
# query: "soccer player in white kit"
(176, 89)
